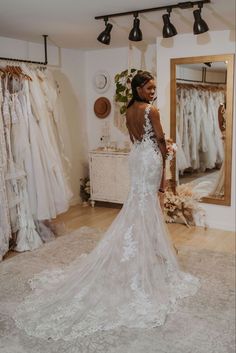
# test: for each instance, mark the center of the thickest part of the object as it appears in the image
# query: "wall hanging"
(102, 107)
(101, 81)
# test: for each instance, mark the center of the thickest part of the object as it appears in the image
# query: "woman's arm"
(160, 136)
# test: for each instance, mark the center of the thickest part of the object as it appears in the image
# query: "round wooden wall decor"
(102, 107)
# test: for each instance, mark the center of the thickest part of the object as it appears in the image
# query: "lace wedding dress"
(130, 279)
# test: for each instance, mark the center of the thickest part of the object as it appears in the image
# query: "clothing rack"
(203, 79)
(31, 61)
(202, 86)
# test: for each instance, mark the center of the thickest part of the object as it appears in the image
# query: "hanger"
(2, 72)
(200, 87)
(16, 72)
(10, 72)
(21, 72)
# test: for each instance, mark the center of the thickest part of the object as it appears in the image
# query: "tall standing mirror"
(201, 124)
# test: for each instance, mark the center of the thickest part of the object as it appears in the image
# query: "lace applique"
(149, 134)
(141, 302)
(130, 247)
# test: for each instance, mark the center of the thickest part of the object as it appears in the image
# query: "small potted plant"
(85, 190)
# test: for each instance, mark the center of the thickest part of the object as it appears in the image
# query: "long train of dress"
(130, 279)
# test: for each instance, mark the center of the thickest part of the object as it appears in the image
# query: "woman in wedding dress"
(132, 277)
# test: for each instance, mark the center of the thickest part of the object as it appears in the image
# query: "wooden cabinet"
(109, 176)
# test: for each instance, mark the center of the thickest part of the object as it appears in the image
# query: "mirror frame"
(229, 118)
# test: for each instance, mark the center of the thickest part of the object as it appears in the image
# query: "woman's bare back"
(135, 120)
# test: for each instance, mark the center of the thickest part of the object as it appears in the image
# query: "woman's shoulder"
(142, 107)
(153, 110)
(154, 113)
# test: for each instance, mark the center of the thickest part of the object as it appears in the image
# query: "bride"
(132, 277)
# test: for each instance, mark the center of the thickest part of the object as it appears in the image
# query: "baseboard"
(224, 226)
(216, 225)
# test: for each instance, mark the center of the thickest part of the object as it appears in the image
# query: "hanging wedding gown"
(58, 186)
(130, 279)
(197, 124)
(5, 226)
(27, 236)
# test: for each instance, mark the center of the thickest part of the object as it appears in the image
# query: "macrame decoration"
(123, 92)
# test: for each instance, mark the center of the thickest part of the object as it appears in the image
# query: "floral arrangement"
(123, 88)
(171, 149)
(184, 204)
(85, 189)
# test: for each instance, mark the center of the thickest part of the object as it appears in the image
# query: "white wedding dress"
(130, 279)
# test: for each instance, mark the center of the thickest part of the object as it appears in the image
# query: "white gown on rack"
(5, 227)
(59, 189)
(130, 279)
(27, 236)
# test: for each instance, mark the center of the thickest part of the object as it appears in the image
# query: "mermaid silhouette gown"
(130, 279)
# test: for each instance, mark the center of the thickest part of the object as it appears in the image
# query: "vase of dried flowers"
(182, 206)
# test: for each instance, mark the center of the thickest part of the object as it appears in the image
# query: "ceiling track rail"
(180, 5)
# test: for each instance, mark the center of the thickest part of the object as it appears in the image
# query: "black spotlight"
(105, 36)
(169, 29)
(199, 25)
(135, 33)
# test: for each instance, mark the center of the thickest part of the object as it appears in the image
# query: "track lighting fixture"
(135, 34)
(199, 25)
(105, 36)
(169, 29)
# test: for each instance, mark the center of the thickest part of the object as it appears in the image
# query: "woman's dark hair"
(139, 80)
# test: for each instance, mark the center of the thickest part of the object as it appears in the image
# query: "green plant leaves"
(120, 87)
(123, 99)
(123, 109)
(123, 88)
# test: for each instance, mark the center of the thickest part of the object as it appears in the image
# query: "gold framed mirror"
(202, 124)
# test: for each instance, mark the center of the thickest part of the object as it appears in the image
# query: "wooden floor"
(102, 215)
(196, 237)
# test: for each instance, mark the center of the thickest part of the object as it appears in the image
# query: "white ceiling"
(71, 23)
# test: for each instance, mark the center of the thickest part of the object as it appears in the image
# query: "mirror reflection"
(201, 125)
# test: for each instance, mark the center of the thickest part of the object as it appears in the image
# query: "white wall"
(185, 45)
(72, 82)
(112, 61)
(74, 72)
(68, 68)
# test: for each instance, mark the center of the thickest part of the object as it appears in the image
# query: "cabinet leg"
(92, 203)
